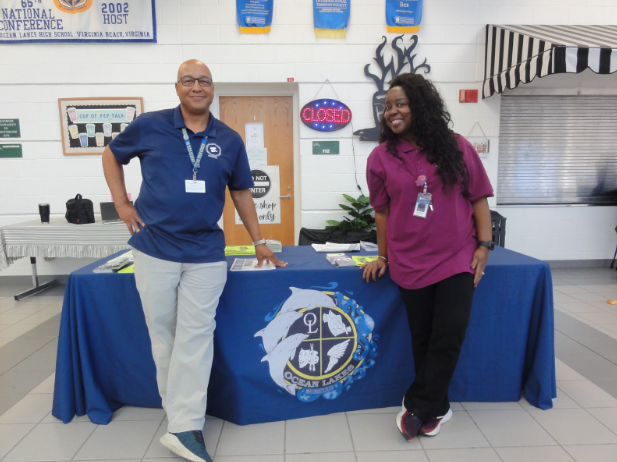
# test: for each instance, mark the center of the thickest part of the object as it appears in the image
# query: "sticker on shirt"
(422, 204)
(213, 150)
(197, 186)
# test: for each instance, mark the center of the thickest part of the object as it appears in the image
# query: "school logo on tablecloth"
(317, 343)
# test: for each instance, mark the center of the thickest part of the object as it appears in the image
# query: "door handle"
(288, 196)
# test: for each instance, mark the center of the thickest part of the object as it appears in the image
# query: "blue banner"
(254, 16)
(331, 18)
(403, 16)
(77, 21)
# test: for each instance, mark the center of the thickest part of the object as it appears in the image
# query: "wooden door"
(275, 112)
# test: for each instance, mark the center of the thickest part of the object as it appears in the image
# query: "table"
(104, 359)
(58, 238)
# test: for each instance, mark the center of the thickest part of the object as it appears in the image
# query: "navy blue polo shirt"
(181, 226)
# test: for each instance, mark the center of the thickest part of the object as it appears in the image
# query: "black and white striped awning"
(517, 54)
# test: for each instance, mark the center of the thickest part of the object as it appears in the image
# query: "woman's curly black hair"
(429, 127)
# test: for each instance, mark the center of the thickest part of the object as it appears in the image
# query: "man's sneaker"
(189, 445)
(432, 427)
(408, 424)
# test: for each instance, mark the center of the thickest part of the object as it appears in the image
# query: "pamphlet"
(128, 270)
(250, 264)
(231, 250)
(334, 247)
(361, 260)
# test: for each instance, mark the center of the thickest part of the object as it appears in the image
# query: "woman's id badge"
(422, 205)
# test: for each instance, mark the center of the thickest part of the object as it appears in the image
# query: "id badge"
(197, 186)
(422, 204)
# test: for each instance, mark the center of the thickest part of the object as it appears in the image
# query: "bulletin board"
(89, 124)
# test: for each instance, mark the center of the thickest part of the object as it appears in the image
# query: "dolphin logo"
(277, 329)
(305, 298)
(277, 360)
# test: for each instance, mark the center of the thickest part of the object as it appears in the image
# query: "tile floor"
(582, 427)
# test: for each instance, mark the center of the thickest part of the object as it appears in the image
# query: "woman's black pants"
(438, 316)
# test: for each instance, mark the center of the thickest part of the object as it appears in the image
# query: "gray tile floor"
(582, 426)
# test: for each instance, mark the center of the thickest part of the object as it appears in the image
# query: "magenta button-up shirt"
(422, 251)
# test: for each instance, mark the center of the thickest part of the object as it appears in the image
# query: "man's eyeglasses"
(190, 81)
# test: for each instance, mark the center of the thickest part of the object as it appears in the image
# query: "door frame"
(270, 89)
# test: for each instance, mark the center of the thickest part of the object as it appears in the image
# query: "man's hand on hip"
(128, 215)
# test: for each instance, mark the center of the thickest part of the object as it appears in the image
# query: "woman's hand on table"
(374, 269)
(478, 263)
(264, 254)
(128, 215)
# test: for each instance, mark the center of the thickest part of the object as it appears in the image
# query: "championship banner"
(254, 16)
(331, 18)
(26, 21)
(403, 16)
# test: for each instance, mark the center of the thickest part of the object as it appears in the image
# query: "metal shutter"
(557, 150)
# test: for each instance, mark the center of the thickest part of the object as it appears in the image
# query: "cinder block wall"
(34, 76)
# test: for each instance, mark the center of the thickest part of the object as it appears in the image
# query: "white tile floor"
(582, 427)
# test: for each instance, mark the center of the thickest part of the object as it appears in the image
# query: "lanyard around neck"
(189, 148)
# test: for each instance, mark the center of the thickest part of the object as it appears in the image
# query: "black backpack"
(79, 210)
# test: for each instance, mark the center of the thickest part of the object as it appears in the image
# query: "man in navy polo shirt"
(187, 158)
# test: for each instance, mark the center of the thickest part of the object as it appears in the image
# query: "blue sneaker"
(189, 445)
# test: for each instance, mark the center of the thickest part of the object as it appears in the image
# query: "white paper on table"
(254, 135)
(258, 157)
(334, 247)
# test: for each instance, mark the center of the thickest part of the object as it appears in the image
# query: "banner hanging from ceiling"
(331, 18)
(254, 16)
(26, 21)
(403, 16)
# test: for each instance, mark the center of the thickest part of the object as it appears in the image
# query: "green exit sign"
(10, 150)
(9, 128)
(326, 147)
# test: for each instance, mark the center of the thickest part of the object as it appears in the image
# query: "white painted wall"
(34, 76)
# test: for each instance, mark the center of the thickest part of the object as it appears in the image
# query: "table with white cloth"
(58, 238)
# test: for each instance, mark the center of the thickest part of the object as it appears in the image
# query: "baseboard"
(27, 280)
(579, 263)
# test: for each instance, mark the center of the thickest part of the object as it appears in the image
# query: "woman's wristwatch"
(259, 242)
(489, 244)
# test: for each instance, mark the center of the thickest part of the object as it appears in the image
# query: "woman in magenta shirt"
(428, 188)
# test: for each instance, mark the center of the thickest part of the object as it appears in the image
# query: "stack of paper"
(340, 259)
(116, 264)
(333, 247)
(274, 245)
(250, 264)
(368, 246)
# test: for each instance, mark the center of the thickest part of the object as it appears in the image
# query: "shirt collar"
(210, 130)
(406, 146)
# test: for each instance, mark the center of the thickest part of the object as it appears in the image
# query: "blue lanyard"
(189, 148)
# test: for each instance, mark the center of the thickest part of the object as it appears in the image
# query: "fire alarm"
(290, 79)
(468, 96)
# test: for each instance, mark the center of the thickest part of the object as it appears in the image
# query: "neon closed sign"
(326, 115)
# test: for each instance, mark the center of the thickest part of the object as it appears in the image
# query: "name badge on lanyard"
(424, 200)
(194, 186)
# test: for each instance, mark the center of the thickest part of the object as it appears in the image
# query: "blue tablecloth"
(331, 343)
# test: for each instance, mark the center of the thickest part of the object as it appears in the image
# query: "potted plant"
(358, 226)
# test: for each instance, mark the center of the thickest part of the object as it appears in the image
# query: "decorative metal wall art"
(404, 62)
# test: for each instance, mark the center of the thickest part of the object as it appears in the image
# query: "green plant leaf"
(346, 207)
(333, 222)
(349, 198)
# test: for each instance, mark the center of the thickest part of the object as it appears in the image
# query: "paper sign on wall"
(266, 195)
(258, 157)
(254, 133)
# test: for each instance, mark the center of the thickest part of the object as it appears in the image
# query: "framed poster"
(89, 124)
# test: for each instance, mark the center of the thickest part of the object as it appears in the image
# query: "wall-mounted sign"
(10, 151)
(89, 124)
(9, 128)
(331, 18)
(326, 147)
(326, 115)
(254, 16)
(266, 195)
(403, 16)
(77, 21)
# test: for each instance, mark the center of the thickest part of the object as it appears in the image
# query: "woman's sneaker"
(407, 423)
(189, 445)
(432, 427)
